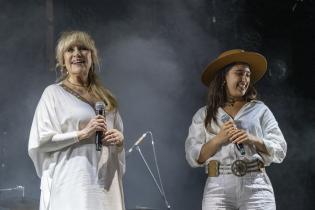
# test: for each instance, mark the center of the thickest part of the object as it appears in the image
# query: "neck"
(231, 101)
(77, 81)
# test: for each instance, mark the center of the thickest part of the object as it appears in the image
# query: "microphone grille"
(225, 118)
(100, 105)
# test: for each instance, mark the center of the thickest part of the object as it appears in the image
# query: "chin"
(78, 70)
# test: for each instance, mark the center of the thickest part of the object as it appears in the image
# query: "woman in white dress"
(73, 174)
(235, 136)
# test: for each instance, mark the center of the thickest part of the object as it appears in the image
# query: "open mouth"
(78, 62)
(242, 87)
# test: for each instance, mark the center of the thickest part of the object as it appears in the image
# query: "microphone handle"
(240, 148)
(98, 136)
(98, 141)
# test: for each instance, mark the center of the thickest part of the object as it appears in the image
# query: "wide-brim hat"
(257, 64)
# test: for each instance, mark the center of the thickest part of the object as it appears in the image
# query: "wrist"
(220, 140)
(255, 141)
(217, 141)
(81, 135)
(120, 144)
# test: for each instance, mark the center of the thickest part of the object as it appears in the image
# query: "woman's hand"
(225, 133)
(211, 147)
(239, 136)
(97, 123)
(113, 137)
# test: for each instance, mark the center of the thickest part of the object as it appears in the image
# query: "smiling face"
(237, 80)
(76, 56)
(77, 60)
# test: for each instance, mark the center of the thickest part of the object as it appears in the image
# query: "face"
(78, 60)
(237, 80)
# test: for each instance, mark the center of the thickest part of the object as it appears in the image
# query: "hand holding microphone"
(96, 124)
(237, 136)
(226, 129)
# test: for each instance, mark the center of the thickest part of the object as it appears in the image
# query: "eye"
(70, 49)
(239, 73)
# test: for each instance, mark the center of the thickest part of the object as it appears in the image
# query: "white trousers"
(252, 191)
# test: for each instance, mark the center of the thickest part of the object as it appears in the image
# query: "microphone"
(137, 142)
(240, 147)
(99, 110)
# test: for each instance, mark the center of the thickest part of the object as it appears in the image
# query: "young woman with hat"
(235, 135)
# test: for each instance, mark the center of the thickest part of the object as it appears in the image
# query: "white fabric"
(255, 118)
(73, 174)
(229, 192)
(254, 190)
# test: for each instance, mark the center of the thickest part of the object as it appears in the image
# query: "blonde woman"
(73, 174)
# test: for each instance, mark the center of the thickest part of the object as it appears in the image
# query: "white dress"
(73, 174)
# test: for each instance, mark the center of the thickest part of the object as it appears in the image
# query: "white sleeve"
(45, 135)
(118, 124)
(196, 138)
(273, 140)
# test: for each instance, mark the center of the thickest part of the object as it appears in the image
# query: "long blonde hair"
(70, 38)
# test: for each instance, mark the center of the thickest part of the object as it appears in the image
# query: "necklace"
(230, 102)
(76, 84)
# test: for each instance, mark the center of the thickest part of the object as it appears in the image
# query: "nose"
(76, 51)
(244, 77)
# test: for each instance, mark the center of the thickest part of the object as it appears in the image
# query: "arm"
(197, 149)
(46, 134)
(212, 146)
(273, 139)
(271, 146)
(114, 136)
(114, 139)
(239, 136)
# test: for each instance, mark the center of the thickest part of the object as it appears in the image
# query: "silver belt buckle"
(239, 168)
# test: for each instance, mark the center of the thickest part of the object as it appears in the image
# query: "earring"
(64, 71)
(223, 84)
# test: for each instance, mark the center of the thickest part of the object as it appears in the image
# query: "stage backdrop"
(152, 55)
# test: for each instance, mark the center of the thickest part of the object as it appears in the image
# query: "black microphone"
(240, 147)
(99, 110)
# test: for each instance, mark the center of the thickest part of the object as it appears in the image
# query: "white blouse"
(73, 174)
(255, 118)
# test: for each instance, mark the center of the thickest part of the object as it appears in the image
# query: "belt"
(238, 167)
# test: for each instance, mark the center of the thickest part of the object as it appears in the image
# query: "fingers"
(229, 124)
(98, 123)
(99, 117)
(229, 129)
(239, 137)
(113, 137)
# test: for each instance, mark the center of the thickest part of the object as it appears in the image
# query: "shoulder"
(200, 115)
(261, 107)
(257, 104)
(52, 90)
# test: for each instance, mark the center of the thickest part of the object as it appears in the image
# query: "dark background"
(153, 53)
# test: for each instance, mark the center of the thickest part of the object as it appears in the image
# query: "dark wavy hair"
(217, 94)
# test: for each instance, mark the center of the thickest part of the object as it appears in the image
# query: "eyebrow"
(77, 45)
(242, 70)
